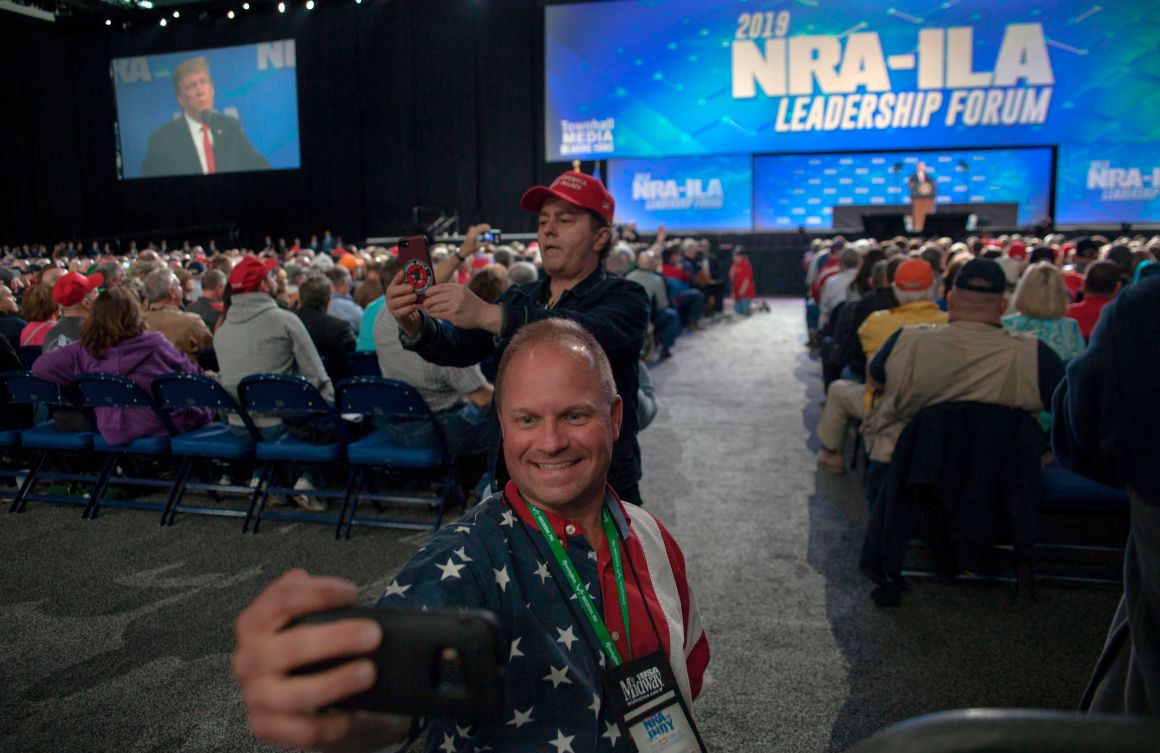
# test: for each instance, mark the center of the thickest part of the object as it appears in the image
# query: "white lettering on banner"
(825, 83)
(692, 193)
(1123, 183)
(587, 137)
(132, 70)
(276, 54)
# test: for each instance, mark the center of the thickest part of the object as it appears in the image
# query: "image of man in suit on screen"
(923, 187)
(200, 141)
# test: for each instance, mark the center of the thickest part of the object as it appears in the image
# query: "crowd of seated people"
(990, 320)
(862, 292)
(306, 309)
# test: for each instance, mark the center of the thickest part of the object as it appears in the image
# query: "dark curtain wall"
(412, 102)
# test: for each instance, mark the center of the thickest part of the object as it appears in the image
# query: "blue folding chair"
(216, 442)
(95, 391)
(363, 364)
(292, 397)
(382, 400)
(44, 439)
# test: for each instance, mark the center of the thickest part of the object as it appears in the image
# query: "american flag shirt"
(495, 558)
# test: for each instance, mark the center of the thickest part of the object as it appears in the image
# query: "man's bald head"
(558, 334)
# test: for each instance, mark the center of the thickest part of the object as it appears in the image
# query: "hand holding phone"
(438, 662)
(282, 708)
(415, 262)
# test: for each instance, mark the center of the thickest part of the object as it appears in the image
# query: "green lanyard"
(581, 591)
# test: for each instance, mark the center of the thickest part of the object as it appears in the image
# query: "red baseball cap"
(249, 273)
(1017, 250)
(575, 188)
(914, 274)
(73, 287)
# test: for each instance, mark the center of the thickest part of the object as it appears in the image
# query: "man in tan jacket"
(187, 331)
(971, 359)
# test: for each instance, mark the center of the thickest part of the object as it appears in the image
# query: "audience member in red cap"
(258, 337)
(915, 287)
(1101, 283)
(454, 327)
(75, 293)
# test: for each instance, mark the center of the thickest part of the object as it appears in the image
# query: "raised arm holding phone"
(454, 327)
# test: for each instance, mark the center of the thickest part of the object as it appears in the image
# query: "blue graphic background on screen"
(266, 101)
(795, 191)
(645, 195)
(1114, 183)
(663, 71)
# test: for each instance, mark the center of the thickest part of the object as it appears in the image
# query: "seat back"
(116, 391)
(382, 398)
(26, 387)
(970, 472)
(1015, 731)
(363, 364)
(182, 390)
(281, 394)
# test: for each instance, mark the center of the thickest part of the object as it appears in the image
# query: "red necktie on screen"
(210, 167)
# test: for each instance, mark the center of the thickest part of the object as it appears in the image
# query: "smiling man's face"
(558, 426)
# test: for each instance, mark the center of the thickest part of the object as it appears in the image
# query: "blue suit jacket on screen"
(172, 151)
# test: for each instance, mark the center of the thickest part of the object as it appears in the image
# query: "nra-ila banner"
(690, 77)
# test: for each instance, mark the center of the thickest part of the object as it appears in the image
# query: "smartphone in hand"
(439, 662)
(415, 261)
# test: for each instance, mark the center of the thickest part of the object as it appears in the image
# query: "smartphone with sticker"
(438, 662)
(415, 261)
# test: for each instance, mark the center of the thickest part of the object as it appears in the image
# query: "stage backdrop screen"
(688, 193)
(649, 78)
(245, 96)
(792, 191)
(1116, 183)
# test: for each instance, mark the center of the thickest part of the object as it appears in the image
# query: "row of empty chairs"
(372, 466)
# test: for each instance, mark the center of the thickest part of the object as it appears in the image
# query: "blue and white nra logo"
(658, 724)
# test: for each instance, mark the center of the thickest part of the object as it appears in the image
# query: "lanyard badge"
(649, 708)
(643, 695)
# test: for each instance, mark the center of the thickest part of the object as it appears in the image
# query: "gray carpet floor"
(117, 634)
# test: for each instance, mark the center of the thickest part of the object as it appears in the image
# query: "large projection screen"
(694, 77)
(246, 97)
(1102, 183)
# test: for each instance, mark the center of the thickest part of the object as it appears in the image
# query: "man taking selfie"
(588, 591)
(574, 233)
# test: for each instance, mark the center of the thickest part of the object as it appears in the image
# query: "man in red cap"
(258, 337)
(453, 327)
(75, 294)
